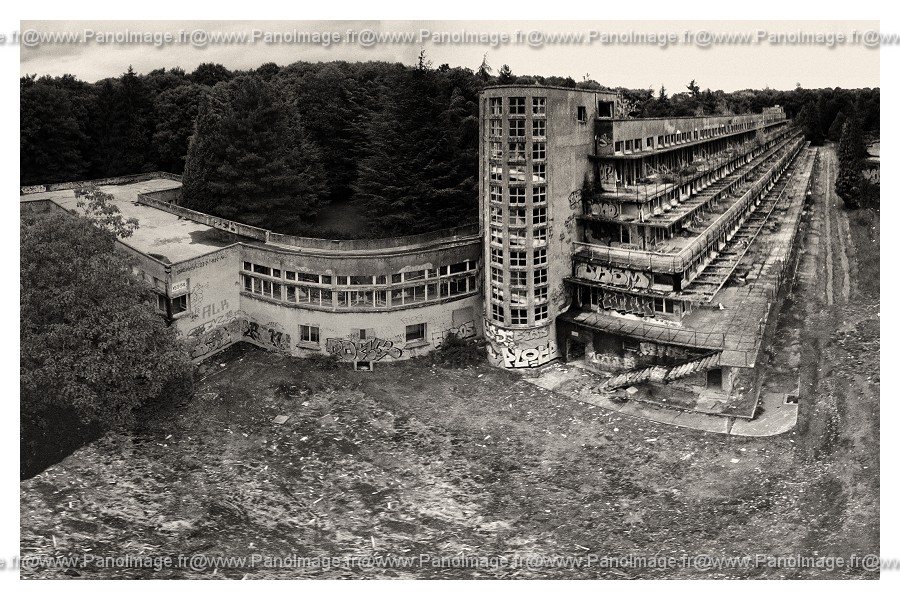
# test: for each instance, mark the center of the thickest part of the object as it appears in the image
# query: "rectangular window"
(637, 145)
(496, 107)
(540, 313)
(496, 275)
(518, 298)
(539, 128)
(415, 332)
(161, 303)
(539, 216)
(496, 193)
(627, 145)
(497, 312)
(248, 266)
(307, 277)
(496, 236)
(414, 275)
(497, 215)
(539, 173)
(649, 142)
(179, 304)
(496, 128)
(519, 316)
(457, 286)
(539, 194)
(496, 150)
(262, 270)
(582, 114)
(413, 295)
(380, 298)
(660, 140)
(517, 128)
(538, 151)
(517, 196)
(540, 276)
(496, 294)
(518, 238)
(618, 146)
(496, 173)
(460, 267)
(518, 278)
(540, 235)
(497, 256)
(516, 151)
(309, 334)
(604, 109)
(361, 299)
(290, 276)
(540, 294)
(539, 106)
(248, 284)
(517, 217)
(360, 280)
(518, 259)
(517, 106)
(540, 257)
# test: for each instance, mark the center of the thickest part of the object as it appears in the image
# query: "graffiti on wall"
(606, 174)
(619, 277)
(366, 349)
(628, 303)
(513, 346)
(574, 199)
(509, 338)
(605, 209)
(528, 357)
(466, 330)
(234, 327)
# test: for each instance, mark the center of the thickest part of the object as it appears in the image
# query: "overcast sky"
(719, 66)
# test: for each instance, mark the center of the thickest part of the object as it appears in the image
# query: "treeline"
(391, 146)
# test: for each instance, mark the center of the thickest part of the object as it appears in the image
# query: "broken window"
(540, 313)
(497, 256)
(496, 107)
(539, 173)
(582, 114)
(496, 128)
(539, 194)
(519, 316)
(496, 150)
(415, 332)
(497, 215)
(540, 294)
(516, 151)
(309, 334)
(539, 106)
(496, 193)
(497, 313)
(605, 109)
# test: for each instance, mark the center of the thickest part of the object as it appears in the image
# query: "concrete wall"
(120, 180)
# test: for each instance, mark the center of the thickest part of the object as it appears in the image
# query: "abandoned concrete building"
(640, 249)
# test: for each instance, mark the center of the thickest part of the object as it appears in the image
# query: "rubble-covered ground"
(417, 463)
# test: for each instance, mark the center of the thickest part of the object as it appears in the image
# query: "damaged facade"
(641, 249)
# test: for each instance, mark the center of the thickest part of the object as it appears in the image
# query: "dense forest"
(332, 149)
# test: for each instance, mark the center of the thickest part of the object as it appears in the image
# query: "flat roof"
(160, 234)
